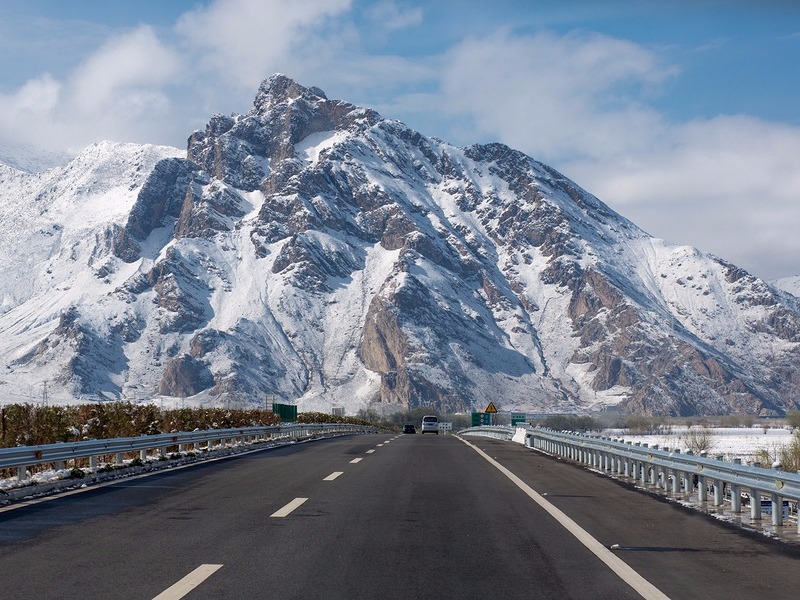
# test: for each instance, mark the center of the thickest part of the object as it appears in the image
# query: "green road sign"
(480, 418)
(286, 412)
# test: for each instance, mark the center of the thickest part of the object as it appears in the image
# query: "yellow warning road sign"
(491, 408)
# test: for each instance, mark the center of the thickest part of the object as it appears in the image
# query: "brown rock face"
(185, 376)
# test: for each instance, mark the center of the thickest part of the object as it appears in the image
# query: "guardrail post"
(755, 505)
(143, 455)
(22, 473)
(119, 460)
(702, 489)
(736, 492)
(718, 492)
(777, 510)
(93, 463)
(736, 498)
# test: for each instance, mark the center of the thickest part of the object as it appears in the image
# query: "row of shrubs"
(32, 425)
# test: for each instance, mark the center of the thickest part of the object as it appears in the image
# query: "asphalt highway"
(381, 516)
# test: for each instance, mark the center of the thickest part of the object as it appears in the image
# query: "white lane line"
(355, 461)
(188, 583)
(333, 475)
(370, 451)
(646, 589)
(287, 510)
(381, 445)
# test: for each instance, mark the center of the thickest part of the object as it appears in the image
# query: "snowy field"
(731, 442)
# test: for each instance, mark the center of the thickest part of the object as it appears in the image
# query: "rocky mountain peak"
(280, 89)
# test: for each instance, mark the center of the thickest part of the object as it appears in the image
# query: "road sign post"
(490, 410)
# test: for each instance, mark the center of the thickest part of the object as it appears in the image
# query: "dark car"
(409, 428)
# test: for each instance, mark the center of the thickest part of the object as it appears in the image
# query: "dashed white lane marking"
(333, 475)
(356, 461)
(188, 583)
(381, 445)
(646, 589)
(370, 451)
(287, 510)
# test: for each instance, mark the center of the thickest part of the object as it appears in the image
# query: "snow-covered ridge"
(789, 284)
(30, 160)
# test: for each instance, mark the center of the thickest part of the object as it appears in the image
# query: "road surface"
(381, 517)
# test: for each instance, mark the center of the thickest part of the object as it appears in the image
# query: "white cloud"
(134, 61)
(32, 103)
(555, 96)
(728, 185)
(581, 102)
(391, 16)
(116, 93)
(246, 40)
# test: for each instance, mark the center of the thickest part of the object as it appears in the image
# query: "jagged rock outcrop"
(311, 250)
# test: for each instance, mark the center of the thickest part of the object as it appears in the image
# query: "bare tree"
(698, 439)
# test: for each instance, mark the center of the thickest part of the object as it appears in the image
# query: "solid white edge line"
(333, 475)
(624, 571)
(356, 461)
(188, 583)
(288, 509)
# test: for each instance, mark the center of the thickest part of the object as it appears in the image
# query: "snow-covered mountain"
(789, 284)
(30, 160)
(313, 251)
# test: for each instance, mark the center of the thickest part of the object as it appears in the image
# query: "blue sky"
(681, 115)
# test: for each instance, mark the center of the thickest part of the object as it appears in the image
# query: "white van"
(430, 424)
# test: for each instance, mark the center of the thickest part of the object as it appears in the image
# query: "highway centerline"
(188, 583)
(622, 569)
(289, 508)
(333, 476)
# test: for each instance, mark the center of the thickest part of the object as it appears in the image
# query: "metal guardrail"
(500, 432)
(712, 479)
(23, 457)
(674, 471)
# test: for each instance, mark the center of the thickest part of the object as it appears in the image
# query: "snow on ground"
(730, 442)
